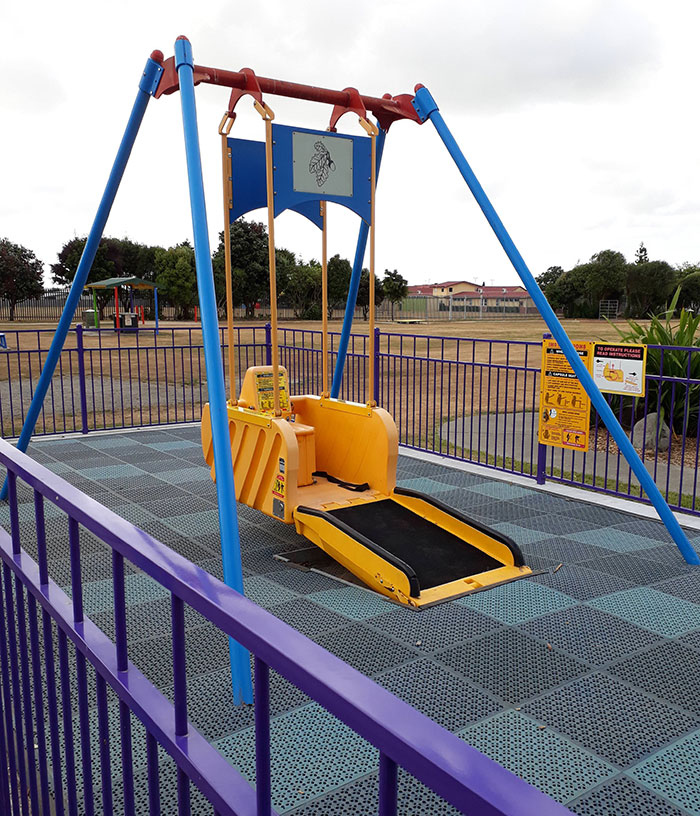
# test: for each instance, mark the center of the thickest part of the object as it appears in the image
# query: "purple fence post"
(268, 344)
(541, 463)
(542, 449)
(81, 378)
(375, 362)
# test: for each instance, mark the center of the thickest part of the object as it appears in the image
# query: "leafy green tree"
(641, 256)
(176, 278)
(103, 267)
(20, 274)
(649, 284)
(689, 283)
(395, 288)
(249, 265)
(339, 273)
(568, 292)
(579, 290)
(285, 264)
(363, 293)
(304, 291)
(115, 258)
(547, 283)
(607, 276)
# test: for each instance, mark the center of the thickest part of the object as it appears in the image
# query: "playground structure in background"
(116, 283)
(179, 73)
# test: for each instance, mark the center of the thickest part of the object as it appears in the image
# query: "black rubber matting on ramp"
(436, 555)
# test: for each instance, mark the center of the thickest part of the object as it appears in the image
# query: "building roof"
(512, 292)
(504, 291)
(110, 283)
(454, 283)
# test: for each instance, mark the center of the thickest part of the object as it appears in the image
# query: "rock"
(651, 421)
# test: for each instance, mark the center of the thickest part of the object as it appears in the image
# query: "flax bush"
(677, 399)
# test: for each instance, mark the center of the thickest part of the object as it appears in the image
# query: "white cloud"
(577, 117)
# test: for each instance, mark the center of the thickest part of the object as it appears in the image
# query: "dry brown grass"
(436, 371)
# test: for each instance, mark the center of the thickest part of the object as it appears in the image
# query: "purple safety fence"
(76, 714)
(470, 399)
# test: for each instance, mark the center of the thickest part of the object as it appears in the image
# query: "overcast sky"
(579, 118)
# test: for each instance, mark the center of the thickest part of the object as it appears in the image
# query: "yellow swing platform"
(329, 466)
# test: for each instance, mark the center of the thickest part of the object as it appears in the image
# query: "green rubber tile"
(653, 610)
(538, 755)
(673, 772)
(517, 602)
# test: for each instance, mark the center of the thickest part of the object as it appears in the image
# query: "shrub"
(677, 399)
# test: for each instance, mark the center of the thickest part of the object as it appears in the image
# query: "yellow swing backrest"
(257, 391)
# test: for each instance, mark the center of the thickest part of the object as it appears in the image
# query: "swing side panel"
(265, 460)
(353, 442)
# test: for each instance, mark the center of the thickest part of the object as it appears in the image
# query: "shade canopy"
(134, 282)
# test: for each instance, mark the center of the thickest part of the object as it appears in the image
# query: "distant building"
(453, 288)
(466, 296)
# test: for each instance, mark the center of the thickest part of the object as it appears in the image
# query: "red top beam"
(386, 109)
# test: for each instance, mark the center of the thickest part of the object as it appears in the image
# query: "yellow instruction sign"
(565, 409)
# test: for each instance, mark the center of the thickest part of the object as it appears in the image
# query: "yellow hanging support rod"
(224, 130)
(267, 115)
(372, 130)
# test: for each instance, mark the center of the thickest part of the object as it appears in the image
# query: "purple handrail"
(463, 776)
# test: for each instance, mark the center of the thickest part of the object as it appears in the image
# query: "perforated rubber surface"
(583, 680)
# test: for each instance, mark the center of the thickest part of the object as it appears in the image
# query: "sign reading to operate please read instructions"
(565, 409)
(619, 368)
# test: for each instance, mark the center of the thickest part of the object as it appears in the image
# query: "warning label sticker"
(278, 486)
(266, 396)
(565, 409)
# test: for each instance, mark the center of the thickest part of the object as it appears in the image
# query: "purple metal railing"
(44, 771)
(469, 399)
(107, 380)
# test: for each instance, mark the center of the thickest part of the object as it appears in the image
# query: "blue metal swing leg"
(354, 288)
(226, 494)
(427, 109)
(147, 87)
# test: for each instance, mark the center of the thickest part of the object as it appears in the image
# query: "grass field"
(430, 372)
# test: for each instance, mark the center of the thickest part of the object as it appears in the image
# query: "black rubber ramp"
(436, 555)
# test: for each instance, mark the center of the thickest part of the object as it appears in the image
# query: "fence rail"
(82, 729)
(49, 307)
(470, 399)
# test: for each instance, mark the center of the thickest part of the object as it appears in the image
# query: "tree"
(285, 264)
(249, 264)
(304, 291)
(339, 273)
(20, 274)
(641, 256)
(64, 271)
(568, 292)
(579, 290)
(363, 293)
(395, 288)
(607, 276)
(547, 283)
(689, 284)
(176, 277)
(649, 284)
(115, 258)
